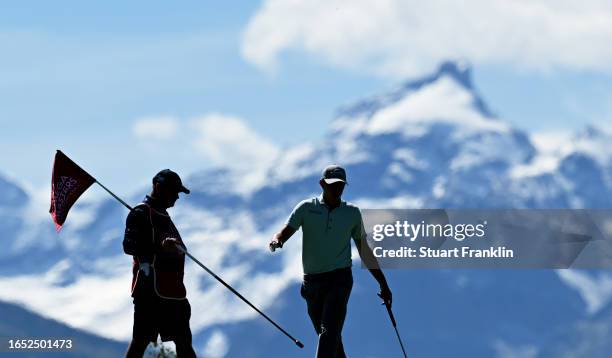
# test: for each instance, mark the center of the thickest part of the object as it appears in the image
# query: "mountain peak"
(459, 70)
(593, 132)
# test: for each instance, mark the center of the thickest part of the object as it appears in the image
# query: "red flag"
(68, 183)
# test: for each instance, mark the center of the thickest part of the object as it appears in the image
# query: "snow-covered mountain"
(432, 142)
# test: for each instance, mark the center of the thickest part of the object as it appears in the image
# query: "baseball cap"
(170, 178)
(334, 173)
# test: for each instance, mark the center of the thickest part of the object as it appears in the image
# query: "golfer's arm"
(367, 256)
(284, 234)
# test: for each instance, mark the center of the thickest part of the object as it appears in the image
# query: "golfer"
(328, 224)
(160, 299)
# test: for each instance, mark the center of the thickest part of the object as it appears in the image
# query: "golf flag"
(68, 182)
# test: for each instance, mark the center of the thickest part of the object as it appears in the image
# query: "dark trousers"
(327, 296)
(155, 316)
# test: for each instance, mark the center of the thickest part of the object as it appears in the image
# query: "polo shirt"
(326, 233)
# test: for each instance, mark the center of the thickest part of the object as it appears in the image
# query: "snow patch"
(444, 100)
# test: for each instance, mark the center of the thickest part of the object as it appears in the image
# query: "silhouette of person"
(328, 224)
(160, 303)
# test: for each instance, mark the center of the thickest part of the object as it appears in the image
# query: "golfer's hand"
(275, 244)
(170, 244)
(386, 295)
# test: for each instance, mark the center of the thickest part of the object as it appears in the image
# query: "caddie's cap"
(334, 173)
(171, 179)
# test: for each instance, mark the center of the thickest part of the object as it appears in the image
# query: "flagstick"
(114, 196)
(296, 341)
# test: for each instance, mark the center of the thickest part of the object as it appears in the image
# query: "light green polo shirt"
(326, 234)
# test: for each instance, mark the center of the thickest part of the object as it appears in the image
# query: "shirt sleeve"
(358, 233)
(296, 219)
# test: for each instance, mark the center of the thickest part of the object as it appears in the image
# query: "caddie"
(160, 299)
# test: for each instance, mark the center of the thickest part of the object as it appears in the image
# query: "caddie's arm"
(137, 238)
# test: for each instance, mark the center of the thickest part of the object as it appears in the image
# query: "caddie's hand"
(386, 295)
(170, 243)
(275, 244)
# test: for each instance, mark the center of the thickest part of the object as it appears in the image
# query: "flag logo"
(68, 182)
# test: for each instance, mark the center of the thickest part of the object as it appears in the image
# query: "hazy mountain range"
(430, 143)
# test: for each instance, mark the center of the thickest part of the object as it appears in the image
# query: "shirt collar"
(342, 202)
(154, 203)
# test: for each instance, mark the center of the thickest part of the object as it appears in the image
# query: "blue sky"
(78, 76)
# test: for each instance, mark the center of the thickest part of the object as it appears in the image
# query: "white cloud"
(156, 128)
(106, 313)
(213, 140)
(229, 142)
(407, 37)
(505, 350)
(595, 291)
(217, 345)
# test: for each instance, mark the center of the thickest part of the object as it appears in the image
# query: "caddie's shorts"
(154, 316)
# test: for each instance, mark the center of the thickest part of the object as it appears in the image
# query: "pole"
(297, 342)
(114, 196)
(395, 326)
